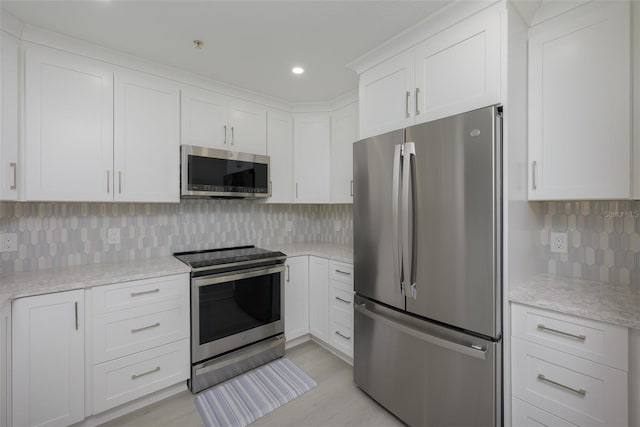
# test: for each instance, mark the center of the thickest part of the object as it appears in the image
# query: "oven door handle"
(244, 274)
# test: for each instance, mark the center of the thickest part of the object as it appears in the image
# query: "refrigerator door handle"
(408, 203)
(468, 350)
(395, 206)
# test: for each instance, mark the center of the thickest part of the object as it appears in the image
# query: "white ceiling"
(250, 44)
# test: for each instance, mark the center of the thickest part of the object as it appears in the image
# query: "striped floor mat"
(246, 398)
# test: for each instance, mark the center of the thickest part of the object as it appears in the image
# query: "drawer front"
(341, 338)
(122, 333)
(127, 295)
(341, 299)
(341, 271)
(525, 415)
(592, 340)
(128, 378)
(577, 390)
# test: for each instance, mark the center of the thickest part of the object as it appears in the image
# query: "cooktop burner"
(212, 258)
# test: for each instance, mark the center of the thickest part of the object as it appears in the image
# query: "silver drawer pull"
(342, 335)
(346, 273)
(152, 291)
(566, 334)
(134, 376)
(155, 325)
(581, 392)
(343, 300)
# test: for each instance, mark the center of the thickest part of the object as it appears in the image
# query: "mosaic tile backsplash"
(603, 240)
(66, 234)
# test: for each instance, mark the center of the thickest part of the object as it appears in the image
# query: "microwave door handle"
(395, 216)
(408, 216)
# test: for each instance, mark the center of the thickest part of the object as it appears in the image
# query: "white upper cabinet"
(280, 151)
(579, 104)
(459, 69)
(9, 47)
(213, 120)
(68, 127)
(344, 132)
(204, 118)
(385, 95)
(312, 140)
(455, 70)
(147, 140)
(248, 127)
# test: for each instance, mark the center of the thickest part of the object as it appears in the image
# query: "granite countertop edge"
(600, 301)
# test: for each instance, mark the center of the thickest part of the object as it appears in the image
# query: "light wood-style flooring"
(336, 401)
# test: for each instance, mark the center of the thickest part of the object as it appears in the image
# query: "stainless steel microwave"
(207, 172)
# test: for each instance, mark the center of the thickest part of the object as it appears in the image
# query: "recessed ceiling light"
(297, 70)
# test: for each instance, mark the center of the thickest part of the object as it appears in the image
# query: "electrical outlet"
(559, 242)
(113, 236)
(8, 242)
(289, 226)
(337, 225)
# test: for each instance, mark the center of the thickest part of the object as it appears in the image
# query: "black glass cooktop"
(220, 257)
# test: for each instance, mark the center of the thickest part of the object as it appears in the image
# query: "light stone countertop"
(17, 285)
(343, 253)
(617, 304)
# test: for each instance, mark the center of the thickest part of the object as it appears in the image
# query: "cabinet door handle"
(134, 376)
(144, 328)
(417, 108)
(406, 103)
(581, 392)
(351, 188)
(76, 314)
(346, 273)
(288, 274)
(152, 291)
(342, 335)
(120, 182)
(232, 134)
(296, 190)
(533, 175)
(343, 300)
(108, 182)
(15, 175)
(566, 334)
(225, 134)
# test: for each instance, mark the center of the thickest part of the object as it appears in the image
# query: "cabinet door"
(319, 298)
(386, 93)
(68, 127)
(48, 359)
(203, 118)
(344, 132)
(458, 69)
(579, 104)
(9, 122)
(147, 145)
(296, 298)
(248, 127)
(280, 150)
(311, 139)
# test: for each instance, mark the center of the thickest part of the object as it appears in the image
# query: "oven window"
(231, 307)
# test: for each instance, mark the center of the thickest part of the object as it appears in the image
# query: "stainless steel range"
(237, 311)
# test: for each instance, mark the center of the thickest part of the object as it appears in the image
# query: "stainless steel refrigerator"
(427, 270)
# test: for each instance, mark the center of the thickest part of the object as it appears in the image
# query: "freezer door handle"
(395, 206)
(473, 350)
(408, 217)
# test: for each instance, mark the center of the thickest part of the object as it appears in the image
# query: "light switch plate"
(559, 242)
(8, 242)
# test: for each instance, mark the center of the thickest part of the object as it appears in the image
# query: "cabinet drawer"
(525, 415)
(122, 380)
(341, 299)
(342, 317)
(341, 271)
(592, 340)
(125, 332)
(341, 337)
(575, 389)
(123, 296)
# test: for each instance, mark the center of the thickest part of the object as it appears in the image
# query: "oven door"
(234, 309)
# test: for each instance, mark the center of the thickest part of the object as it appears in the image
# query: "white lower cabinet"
(48, 359)
(341, 306)
(318, 297)
(567, 370)
(296, 297)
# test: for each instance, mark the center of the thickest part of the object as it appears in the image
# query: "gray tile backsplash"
(65, 234)
(603, 240)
